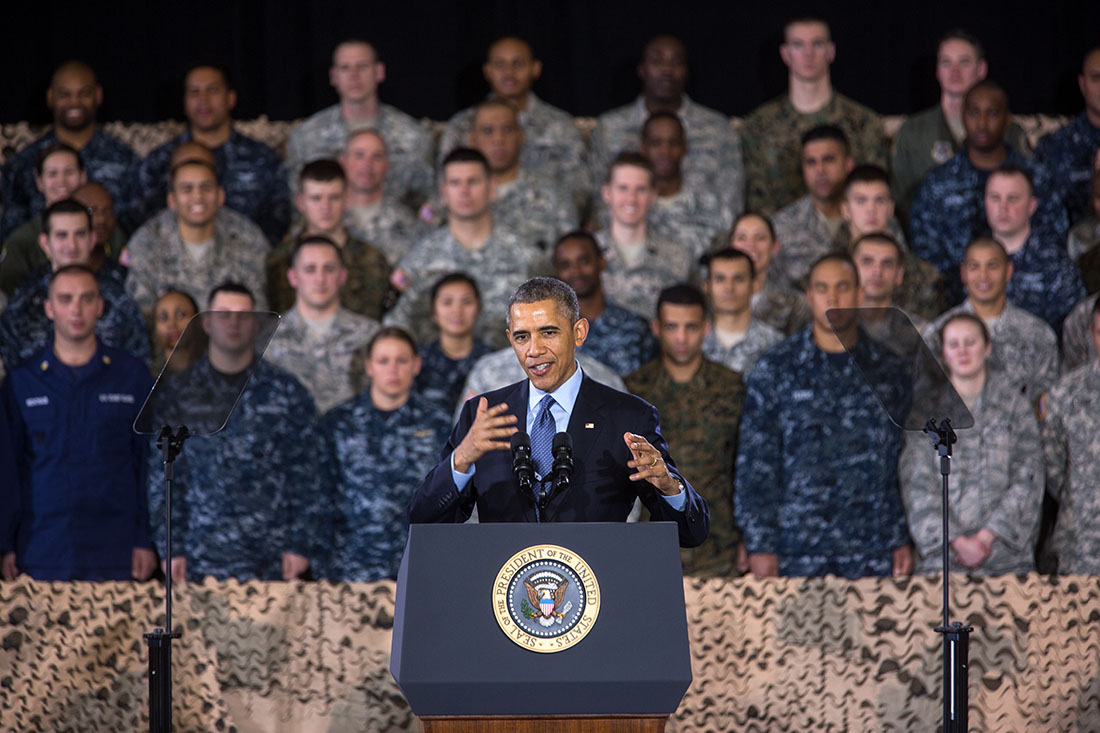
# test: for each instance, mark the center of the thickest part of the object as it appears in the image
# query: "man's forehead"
(464, 169)
(67, 221)
(627, 173)
(311, 185)
(194, 173)
(93, 194)
(728, 265)
(316, 254)
(236, 302)
(868, 188)
(681, 313)
(538, 315)
(353, 51)
(662, 128)
(495, 115)
(807, 31)
(985, 97)
(73, 283)
(957, 48)
(61, 159)
(508, 49)
(1006, 182)
(875, 250)
(982, 254)
(73, 77)
(575, 247)
(819, 148)
(666, 46)
(366, 140)
(832, 271)
(204, 76)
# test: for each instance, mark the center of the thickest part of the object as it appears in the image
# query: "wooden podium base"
(546, 724)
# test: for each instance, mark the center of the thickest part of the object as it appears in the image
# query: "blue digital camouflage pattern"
(441, 378)
(253, 176)
(244, 496)
(1044, 281)
(107, 160)
(817, 466)
(949, 211)
(374, 461)
(619, 339)
(1069, 154)
(25, 328)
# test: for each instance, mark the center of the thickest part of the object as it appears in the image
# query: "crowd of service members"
(704, 255)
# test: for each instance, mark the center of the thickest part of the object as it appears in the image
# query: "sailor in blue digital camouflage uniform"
(254, 178)
(379, 446)
(947, 210)
(617, 337)
(74, 97)
(75, 504)
(1070, 152)
(67, 239)
(446, 362)
(817, 480)
(246, 501)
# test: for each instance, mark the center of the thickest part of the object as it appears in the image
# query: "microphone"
(522, 468)
(562, 469)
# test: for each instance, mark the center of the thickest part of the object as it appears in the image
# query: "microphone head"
(520, 439)
(563, 440)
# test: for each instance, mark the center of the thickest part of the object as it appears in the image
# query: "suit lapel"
(586, 423)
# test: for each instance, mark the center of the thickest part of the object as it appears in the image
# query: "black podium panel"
(451, 657)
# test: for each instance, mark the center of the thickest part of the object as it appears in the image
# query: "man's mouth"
(540, 369)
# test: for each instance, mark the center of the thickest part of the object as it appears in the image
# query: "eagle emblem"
(546, 592)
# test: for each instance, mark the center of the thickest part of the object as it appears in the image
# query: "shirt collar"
(565, 395)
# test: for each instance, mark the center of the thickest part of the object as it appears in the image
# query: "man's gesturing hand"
(650, 464)
(492, 428)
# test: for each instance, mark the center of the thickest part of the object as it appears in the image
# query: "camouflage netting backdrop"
(785, 655)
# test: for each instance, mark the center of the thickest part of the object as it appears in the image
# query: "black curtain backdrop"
(278, 53)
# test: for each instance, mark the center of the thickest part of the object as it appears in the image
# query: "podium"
(540, 627)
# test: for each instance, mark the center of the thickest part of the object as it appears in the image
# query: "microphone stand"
(160, 640)
(956, 636)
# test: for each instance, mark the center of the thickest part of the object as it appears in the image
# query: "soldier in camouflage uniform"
(254, 178)
(616, 337)
(772, 133)
(880, 260)
(1070, 153)
(867, 207)
(446, 361)
(713, 159)
(700, 406)
(639, 263)
(24, 326)
(471, 243)
(530, 207)
(247, 502)
(74, 97)
(1070, 427)
(373, 216)
(1025, 348)
(195, 244)
(735, 339)
(378, 447)
(318, 341)
(773, 302)
(996, 470)
(355, 74)
(553, 148)
(930, 137)
(817, 482)
(1077, 346)
(1044, 281)
(322, 200)
(685, 211)
(60, 173)
(808, 227)
(948, 208)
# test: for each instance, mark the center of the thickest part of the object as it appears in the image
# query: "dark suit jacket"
(600, 490)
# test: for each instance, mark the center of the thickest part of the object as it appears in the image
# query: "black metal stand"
(956, 636)
(160, 640)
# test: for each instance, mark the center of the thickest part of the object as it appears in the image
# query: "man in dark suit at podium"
(618, 450)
